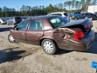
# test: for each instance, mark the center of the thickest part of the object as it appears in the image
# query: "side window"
(36, 25)
(22, 26)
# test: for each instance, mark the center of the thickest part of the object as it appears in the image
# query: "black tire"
(51, 48)
(10, 39)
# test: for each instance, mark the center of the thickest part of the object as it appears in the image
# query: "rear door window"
(36, 25)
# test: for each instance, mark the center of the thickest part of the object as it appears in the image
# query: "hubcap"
(48, 46)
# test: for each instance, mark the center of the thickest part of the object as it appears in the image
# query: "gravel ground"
(25, 58)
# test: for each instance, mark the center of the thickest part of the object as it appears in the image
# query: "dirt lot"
(24, 58)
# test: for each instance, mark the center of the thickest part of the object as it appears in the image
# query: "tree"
(31, 11)
(77, 4)
(94, 2)
(25, 8)
(0, 9)
(73, 3)
(68, 4)
(85, 4)
(50, 8)
(60, 6)
(5, 9)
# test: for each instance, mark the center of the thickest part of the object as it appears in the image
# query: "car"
(15, 20)
(53, 33)
(3, 20)
(89, 15)
(11, 21)
(63, 14)
(77, 15)
(95, 13)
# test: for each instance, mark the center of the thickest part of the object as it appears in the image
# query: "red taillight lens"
(78, 35)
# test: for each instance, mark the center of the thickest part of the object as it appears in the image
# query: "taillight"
(79, 34)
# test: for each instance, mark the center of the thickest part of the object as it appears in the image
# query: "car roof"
(42, 17)
(57, 12)
(88, 13)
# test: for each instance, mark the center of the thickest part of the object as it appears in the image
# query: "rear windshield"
(57, 21)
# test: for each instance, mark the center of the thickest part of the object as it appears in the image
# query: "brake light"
(78, 35)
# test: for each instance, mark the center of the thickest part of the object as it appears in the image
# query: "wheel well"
(50, 39)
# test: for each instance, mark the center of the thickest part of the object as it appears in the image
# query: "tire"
(11, 39)
(49, 46)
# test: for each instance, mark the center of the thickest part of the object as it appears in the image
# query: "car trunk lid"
(80, 27)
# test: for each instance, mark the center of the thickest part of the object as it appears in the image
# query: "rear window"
(57, 21)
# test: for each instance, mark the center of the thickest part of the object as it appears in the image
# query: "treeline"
(67, 6)
(29, 11)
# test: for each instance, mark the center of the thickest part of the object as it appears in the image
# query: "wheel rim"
(48, 46)
(11, 38)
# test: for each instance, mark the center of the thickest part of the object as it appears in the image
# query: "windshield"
(57, 21)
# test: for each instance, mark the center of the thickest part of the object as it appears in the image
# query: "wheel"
(11, 39)
(49, 46)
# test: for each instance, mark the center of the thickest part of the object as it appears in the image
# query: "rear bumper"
(88, 40)
(82, 45)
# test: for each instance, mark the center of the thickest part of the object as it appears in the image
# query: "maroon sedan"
(54, 32)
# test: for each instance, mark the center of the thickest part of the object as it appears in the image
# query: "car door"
(35, 33)
(20, 30)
